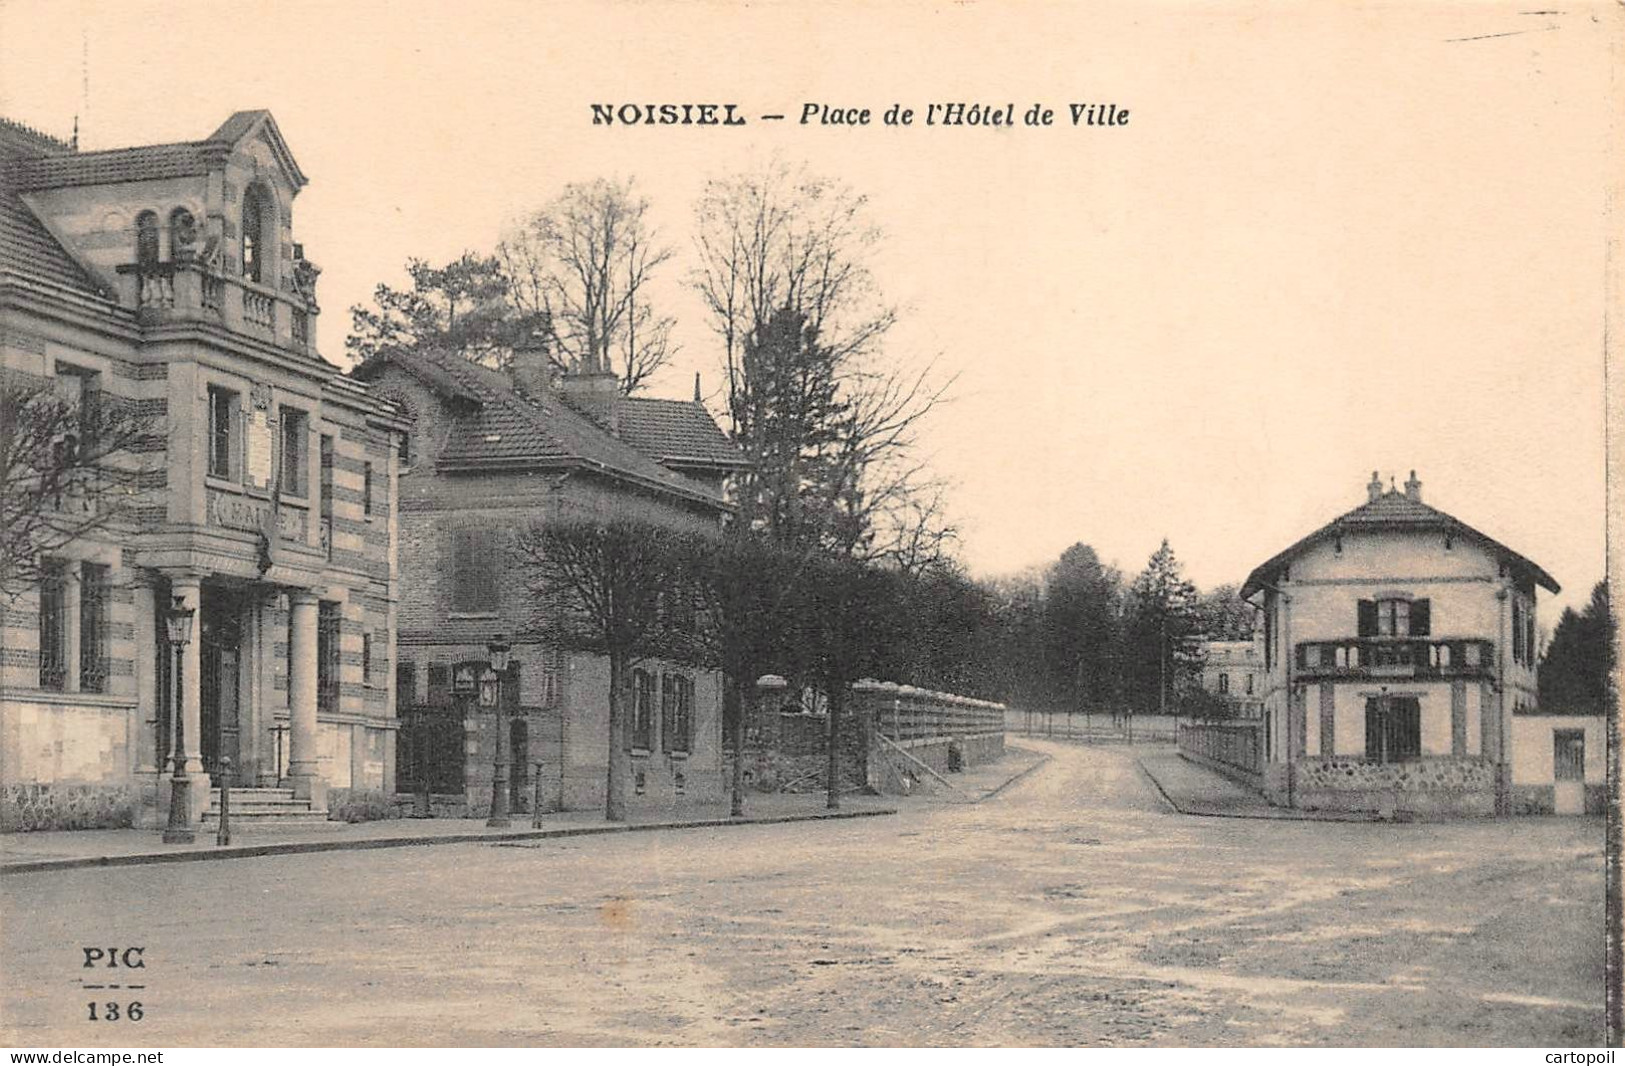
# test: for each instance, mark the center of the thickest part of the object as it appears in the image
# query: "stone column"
(72, 594)
(303, 769)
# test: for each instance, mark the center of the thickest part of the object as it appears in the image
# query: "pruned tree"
(849, 616)
(73, 462)
(465, 306)
(585, 261)
(605, 586)
(747, 587)
(784, 272)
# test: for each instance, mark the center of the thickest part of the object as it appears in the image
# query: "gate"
(429, 753)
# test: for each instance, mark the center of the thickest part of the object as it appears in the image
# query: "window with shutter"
(439, 684)
(1368, 618)
(473, 568)
(668, 711)
(1421, 618)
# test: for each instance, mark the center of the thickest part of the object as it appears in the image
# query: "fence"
(1093, 727)
(903, 712)
(1236, 745)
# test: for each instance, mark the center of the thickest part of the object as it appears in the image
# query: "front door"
(1568, 771)
(220, 659)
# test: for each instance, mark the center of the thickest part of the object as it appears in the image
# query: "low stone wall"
(1438, 785)
(1235, 773)
(361, 805)
(797, 762)
(1542, 799)
(441, 805)
(893, 774)
(28, 807)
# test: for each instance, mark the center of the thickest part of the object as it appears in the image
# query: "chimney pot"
(532, 367)
(1373, 488)
(1413, 488)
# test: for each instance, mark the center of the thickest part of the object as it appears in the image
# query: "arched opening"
(146, 238)
(259, 228)
(182, 233)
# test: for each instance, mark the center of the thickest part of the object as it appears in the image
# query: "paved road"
(1074, 908)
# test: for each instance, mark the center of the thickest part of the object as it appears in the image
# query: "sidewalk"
(1192, 789)
(26, 852)
(978, 783)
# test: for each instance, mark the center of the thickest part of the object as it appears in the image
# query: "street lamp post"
(491, 696)
(178, 627)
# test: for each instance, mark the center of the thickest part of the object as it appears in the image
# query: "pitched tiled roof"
(1394, 510)
(677, 432)
(148, 161)
(497, 427)
(27, 249)
(115, 165)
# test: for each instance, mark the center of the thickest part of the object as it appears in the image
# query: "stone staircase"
(255, 809)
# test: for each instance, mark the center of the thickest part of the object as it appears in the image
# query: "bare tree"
(72, 466)
(603, 585)
(585, 261)
(783, 269)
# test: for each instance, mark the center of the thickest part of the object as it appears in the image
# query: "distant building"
(489, 453)
(1233, 670)
(167, 277)
(1400, 649)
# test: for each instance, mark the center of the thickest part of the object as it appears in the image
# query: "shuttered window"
(474, 571)
(1397, 617)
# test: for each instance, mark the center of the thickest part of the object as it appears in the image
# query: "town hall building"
(167, 278)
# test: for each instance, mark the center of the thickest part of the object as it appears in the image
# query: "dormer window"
(146, 238)
(258, 220)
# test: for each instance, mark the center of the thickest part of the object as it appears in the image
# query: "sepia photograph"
(636, 524)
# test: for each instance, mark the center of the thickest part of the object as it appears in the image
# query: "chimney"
(1373, 488)
(532, 366)
(1413, 488)
(594, 392)
(696, 386)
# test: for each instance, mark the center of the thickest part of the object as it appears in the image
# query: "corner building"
(167, 277)
(1400, 652)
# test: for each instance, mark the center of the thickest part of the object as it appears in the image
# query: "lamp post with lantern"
(491, 696)
(178, 628)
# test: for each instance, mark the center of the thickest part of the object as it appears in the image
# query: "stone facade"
(167, 278)
(1435, 785)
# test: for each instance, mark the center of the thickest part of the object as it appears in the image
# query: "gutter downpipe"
(1286, 662)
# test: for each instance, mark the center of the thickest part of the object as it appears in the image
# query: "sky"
(1330, 239)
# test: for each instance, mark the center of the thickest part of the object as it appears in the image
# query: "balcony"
(1422, 658)
(188, 291)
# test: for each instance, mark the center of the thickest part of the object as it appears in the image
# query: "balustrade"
(1395, 657)
(188, 290)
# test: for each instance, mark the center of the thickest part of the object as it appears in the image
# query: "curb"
(1200, 812)
(1046, 757)
(305, 847)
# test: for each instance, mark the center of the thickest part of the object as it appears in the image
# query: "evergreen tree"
(1162, 622)
(1081, 603)
(1575, 670)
